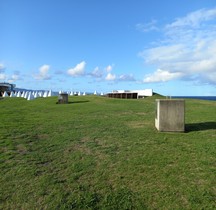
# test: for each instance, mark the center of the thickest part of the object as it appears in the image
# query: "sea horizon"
(211, 98)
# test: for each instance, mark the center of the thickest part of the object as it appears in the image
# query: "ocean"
(211, 98)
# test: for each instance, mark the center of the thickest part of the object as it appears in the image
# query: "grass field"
(103, 153)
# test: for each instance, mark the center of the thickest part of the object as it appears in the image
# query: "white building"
(131, 93)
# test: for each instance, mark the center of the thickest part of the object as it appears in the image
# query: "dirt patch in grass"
(138, 124)
(42, 136)
(85, 139)
(22, 149)
(78, 148)
(141, 113)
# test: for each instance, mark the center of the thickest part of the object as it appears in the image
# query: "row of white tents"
(71, 93)
(30, 95)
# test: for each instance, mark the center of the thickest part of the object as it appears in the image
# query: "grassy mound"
(103, 153)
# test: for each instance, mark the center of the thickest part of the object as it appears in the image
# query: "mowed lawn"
(103, 153)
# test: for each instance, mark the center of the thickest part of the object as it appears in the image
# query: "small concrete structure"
(63, 98)
(170, 115)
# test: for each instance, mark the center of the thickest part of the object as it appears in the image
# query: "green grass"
(103, 153)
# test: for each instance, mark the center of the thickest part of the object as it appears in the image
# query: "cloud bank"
(187, 52)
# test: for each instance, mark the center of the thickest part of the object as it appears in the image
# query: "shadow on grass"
(73, 102)
(200, 126)
(77, 102)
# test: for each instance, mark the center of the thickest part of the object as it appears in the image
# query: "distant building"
(4, 86)
(130, 94)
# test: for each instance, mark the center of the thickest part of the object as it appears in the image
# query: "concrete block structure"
(170, 115)
(63, 98)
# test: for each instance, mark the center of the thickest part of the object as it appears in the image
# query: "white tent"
(18, 94)
(79, 93)
(84, 94)
(23, 94)
(36, 95)
(50, 93)
(26, 94)
(102, 93)
(40, 94)
(12, 94)
(45, 94)
(30, 96)
(71, 93)
(5, 94)
(95, 93)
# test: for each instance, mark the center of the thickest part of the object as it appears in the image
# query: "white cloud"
(97, 73)
(109, 68)
(110, 77)
(7, 77)
(126, 77)
(211, 78)
(43, 73)
(2, 67)
(14, 78)
(163, 54)
(147, 27)
(194, 19)
(3, 76)
(162, 76)
(188, 50)
(78, 70)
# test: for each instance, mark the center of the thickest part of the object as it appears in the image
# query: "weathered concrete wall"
(63, 98)
(170, 115)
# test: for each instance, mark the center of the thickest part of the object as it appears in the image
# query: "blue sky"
(105, 45)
